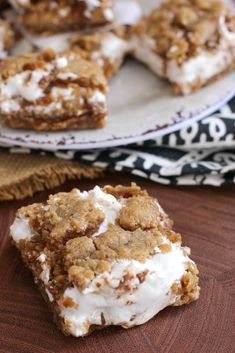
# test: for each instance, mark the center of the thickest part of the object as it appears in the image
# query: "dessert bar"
(188, 42)
(49, 91)
(104, 257)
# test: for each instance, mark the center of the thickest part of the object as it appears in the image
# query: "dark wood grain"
(206, 218)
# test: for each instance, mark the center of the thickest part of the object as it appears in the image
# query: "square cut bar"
(104, 257)
(188, 42)
(49, 91)
(62, 15)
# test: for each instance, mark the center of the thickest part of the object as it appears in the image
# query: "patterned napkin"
(201, 154)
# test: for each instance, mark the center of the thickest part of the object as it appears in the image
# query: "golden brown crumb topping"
(88, 42)
(126, 192)
(139, 212)
(89, 47)
(187, 289)
(180, 28)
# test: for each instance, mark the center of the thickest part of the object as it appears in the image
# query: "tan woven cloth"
(24, 175)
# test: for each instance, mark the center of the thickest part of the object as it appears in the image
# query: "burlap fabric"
(24, 175)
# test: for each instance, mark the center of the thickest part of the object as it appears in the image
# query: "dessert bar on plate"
(49, 91)
(60, 15)
(104, 257)
(189, 42)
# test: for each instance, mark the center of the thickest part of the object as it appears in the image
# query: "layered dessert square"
(104, 257)
(188, 42)
(49, 91)
(61, 15)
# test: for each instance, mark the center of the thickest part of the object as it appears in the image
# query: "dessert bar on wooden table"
(104, 257)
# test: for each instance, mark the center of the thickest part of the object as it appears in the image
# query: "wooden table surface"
(205, 217)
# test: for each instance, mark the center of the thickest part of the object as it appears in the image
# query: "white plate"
(141, 107)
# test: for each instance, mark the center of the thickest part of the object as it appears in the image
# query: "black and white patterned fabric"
(201, 154)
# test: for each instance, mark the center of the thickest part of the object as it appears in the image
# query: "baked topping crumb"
(140, 212)
(126, 192)
(70, 216)
(186, 287)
